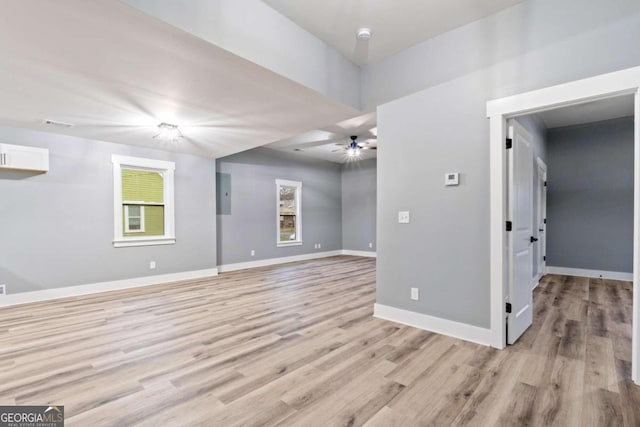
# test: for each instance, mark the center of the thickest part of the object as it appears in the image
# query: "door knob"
(541, 229)
(533, 239)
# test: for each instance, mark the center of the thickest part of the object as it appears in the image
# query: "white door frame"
(625, 82)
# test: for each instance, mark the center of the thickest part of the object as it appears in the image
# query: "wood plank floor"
(296, 345)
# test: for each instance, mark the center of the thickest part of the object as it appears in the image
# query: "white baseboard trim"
(359, 253)
(274, 261)
(434, 324)
(579, 272)
(72, 291)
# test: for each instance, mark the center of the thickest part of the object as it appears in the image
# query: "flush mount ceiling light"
(363, 33)
(168, 132)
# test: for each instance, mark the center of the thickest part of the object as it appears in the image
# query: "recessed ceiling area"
(115, 73)
(395, 25)
(331, 143)
(590, 112)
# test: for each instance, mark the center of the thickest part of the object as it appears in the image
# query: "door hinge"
(545, 183)
(544, 258)
(509, 143)
(508, 307)
(509, 226)
(545, 220)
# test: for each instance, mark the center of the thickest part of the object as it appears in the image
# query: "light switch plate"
(415, 294)
(452, 178)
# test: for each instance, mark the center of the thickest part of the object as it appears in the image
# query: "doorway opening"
(512, 197)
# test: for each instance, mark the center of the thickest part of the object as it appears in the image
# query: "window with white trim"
(289, 212)
(134, 219)
(143, 201)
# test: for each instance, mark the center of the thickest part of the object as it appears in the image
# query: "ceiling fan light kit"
(353, 152)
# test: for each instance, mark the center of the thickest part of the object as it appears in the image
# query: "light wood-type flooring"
(296, 345)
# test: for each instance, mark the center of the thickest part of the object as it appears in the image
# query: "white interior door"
(521, 238)
(541, 218)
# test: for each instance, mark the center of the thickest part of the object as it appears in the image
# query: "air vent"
(59, 124)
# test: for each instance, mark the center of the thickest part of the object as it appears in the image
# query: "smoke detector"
(363, 33)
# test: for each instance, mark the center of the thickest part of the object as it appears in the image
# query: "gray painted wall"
(252, 223)
(443, 128)
(533, 44)
(359, 205)
(590, 196)
(57, 228)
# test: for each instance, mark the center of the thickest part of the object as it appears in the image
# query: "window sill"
(143, 241)
(292, 243)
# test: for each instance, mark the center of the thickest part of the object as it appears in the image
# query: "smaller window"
(134, 219)
(289, 213)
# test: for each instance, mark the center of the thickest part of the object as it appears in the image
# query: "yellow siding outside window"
(143, 188)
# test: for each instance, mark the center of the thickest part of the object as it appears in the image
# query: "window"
(134, 219)
(289, 218)
(143, 202)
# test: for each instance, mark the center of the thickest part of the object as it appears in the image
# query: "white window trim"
(167, 169)
(127, 227)
(298, 186)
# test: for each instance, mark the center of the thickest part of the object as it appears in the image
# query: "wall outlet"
(152, 265)
(253, 252)
(319, 245)
(3, 289)
(370, 245)
(415, 294)
(404, 217)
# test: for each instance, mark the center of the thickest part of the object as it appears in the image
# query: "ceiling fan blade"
(318, 143)
(369, 148)
(335, 151)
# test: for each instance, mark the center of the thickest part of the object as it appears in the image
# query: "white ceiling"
(116, 73)
(395, 25)
(596, 111)
(329, 143)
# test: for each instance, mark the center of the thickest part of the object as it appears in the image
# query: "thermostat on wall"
(452, 178)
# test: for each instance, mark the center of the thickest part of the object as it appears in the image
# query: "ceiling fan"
(354, 148)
